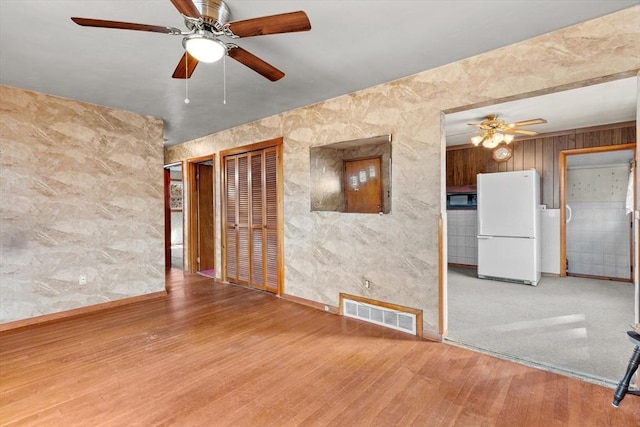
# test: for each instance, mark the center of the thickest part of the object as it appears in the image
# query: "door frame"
(190, 206)
(563, 198)
(275, 142)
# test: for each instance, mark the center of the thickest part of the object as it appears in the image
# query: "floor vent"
(394, 319)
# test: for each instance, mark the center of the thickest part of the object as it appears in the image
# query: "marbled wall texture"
(328, 252)
(81, 193)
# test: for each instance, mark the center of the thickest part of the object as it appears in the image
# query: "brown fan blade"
(187, 8)
(87, 22)
(274, 24)
(255, 63)
(520, 132)
(528, 122)
(185, 67)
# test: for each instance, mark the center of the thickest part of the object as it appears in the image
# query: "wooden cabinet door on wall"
(363, 187)
(252, 219)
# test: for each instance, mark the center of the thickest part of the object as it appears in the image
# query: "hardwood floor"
(211, 354)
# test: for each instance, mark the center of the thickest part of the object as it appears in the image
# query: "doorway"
(597, 197)
(174, 218)
(569, 328)
(200, 253)
(252, 215)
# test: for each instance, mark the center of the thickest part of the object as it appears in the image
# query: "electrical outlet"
(367, 283)
(82, 280)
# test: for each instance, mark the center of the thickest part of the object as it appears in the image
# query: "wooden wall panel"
(541, 152)
(547, 176)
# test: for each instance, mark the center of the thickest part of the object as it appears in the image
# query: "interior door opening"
(174, 218)
(201, 216)
(598, 193)
(472, 316)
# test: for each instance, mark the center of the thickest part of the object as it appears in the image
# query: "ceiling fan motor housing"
(215, 13)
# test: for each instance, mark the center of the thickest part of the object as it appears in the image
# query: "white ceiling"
(607, 158)
(600, 104)
(353, 44)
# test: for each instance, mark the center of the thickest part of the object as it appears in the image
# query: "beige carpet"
(577, 326)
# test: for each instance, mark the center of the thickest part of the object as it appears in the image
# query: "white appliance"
(509, 246)
(550, 220)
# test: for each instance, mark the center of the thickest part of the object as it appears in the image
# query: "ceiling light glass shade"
(204, 48)
(490, 143)
(491, 138)
(476, 140)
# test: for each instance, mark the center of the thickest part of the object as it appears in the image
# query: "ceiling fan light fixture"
(495, 131)
(204, 47)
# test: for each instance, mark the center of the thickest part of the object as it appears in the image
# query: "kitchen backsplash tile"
(462, 230)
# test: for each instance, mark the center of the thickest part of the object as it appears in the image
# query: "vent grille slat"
(405, 322)
(350, 308)
(398, 320)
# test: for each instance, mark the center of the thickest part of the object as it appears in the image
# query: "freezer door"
(508, 203)
(509, 258)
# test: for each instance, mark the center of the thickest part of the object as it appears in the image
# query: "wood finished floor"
(211, 354)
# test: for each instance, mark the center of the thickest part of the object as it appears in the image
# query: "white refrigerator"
(509, 240)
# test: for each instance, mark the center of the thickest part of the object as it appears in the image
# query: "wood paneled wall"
(541, 152)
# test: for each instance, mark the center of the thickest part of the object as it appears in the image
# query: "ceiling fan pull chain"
(186, 80)
(224, 80)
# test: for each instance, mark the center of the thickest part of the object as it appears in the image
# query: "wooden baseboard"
(80, 311)
(455, 264)
(591, 276)
(312, 304)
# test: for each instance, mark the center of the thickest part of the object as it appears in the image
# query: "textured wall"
(328, 252)
(81, 192)
(600, 184)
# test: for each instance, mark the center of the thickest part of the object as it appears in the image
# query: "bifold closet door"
(237, 219)
(264, 220)
(252, 219)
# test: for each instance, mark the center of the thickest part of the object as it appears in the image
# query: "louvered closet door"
(252, 219)
(264, 220)
(237, 219)
(257, 223)
(270, 218)
(231, 217)
(243, 219)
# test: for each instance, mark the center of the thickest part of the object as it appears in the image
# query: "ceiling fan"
(208, 22)
(495, 131)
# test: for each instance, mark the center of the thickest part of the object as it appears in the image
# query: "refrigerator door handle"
(568, 214)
